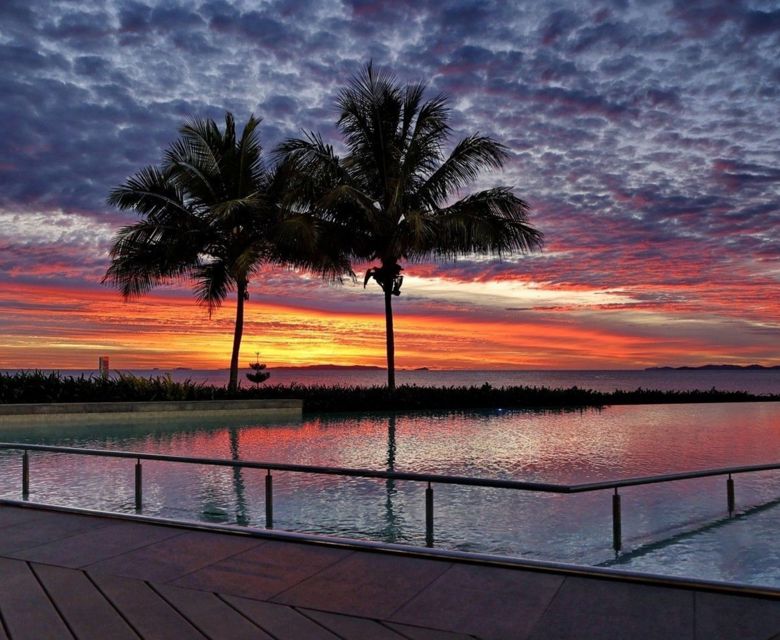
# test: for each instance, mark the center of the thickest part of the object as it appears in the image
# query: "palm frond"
(213, 282)
(371, 118)
(206, 147)
(309, 157)
(422, 149)
(206, 140)
(228, 210)
(149, 192)
(468, 159)
(494, 221)
(249, 151)
(417, 231)
(412, 97)
(146, 254)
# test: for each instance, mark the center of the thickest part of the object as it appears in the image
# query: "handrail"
(428, 478)
(672, 477)
(300, 468)
(498, 483)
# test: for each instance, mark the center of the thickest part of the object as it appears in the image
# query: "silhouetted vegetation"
(37, 386)
(32, 387)
(395, 195)
(258, 373)
(214, 213)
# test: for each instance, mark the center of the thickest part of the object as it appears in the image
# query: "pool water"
(679, 528)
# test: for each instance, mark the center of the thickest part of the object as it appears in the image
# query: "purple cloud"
(644, 135)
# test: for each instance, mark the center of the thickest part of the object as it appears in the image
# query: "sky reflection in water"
(679, 527)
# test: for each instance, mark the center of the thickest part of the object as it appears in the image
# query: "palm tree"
(392, 195)
(213, 213)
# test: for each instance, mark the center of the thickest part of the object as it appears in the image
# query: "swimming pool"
(678, 528)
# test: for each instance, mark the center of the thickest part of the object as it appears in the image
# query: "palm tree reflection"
(392, 524)
(238, 479)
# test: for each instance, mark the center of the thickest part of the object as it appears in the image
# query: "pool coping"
(95, 412)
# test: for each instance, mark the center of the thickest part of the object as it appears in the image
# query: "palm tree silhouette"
(214, 213)
(392, 195)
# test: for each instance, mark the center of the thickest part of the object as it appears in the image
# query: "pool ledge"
(494, 561)
(287, 583)
(100, 412)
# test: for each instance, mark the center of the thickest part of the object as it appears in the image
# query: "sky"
(644, 135)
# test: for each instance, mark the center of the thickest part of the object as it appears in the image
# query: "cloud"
(758, 23)
(644, 135)
(736, 176)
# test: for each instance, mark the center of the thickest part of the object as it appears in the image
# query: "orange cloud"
(57, 327)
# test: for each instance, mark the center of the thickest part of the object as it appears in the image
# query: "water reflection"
(391, 521)
(549, 446)
(242, 516)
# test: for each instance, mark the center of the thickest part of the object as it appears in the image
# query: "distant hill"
(716, 367)
(334, 367)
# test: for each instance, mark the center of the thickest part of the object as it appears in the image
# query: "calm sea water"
(679, 528)
(754, 381)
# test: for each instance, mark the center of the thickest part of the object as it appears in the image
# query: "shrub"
(37, 386)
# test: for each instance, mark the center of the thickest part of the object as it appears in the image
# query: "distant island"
(335, 367)
(340, 367)
(717, 367)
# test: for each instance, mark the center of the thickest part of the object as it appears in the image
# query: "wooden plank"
(48, 528)
(352, 628)
(149, 614)
(168, 559)
(367, 585)
(214, 617)
(721, 616)
(284, 622)
(92, 546)
(421, 633)
(26, 609)
(87, 612)
(263, 571)
(10, 516)
(486, 601)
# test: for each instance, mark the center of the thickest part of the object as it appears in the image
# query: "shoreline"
(38, 389)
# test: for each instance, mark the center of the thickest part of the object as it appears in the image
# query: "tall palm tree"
(213, 213)
(392, 196)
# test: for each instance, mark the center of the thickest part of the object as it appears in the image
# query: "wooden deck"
(65, 575)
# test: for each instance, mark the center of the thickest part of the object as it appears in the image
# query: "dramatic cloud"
(644, 135)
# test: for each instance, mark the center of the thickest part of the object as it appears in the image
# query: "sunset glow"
(645, 138)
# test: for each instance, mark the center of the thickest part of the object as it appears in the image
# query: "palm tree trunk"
(237, 334)
(390, 338)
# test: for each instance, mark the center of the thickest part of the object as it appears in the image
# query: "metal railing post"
(730, 494)
(269, 501)
(25, 476)
(426, 478)
(429, 516)
(139, 487)
(616, 524)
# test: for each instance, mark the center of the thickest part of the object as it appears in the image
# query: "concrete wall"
(115, 412)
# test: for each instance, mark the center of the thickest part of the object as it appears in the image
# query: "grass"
(40, 387)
